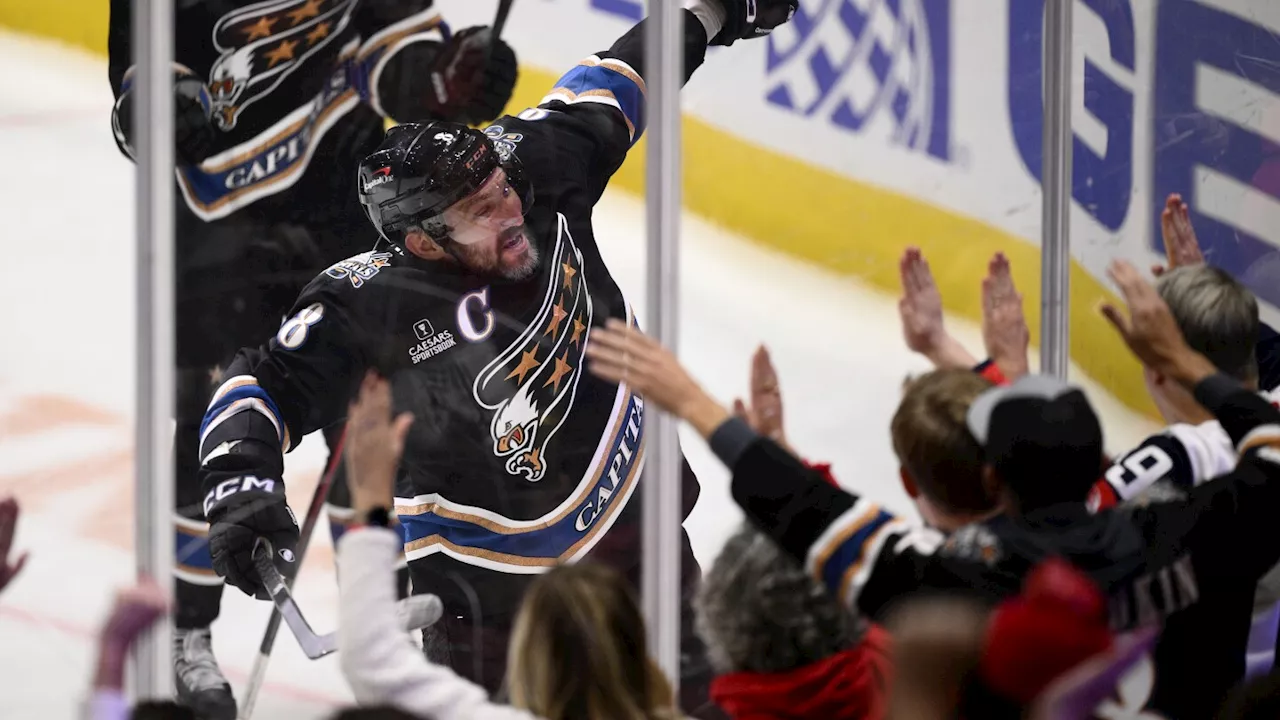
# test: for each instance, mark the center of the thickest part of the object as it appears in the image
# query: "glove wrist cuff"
(710, 13)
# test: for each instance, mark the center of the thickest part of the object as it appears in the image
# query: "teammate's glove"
(472, 77)
(240, 509)
(193, 130)
(748, 19)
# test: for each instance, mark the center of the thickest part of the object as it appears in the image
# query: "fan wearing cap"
(477, 304)
(1043, 449)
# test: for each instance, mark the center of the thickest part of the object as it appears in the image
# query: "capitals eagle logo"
(530, 386)
(262, 44)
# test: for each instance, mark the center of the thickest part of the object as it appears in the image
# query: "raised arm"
(860, 550)
(600, 104)
(413, 67)
(380, 667)
(1227, 525)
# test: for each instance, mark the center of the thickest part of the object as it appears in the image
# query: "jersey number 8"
(293, 333)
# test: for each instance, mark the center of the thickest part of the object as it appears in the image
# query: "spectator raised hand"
(1150, 330)
(9, 568)
(1181, 246)
(373, 445)
(764, 414)
(621, 353)
(1004, 326)
(134, 611)
(921, 311)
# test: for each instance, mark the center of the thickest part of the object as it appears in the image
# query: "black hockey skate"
(200, 682)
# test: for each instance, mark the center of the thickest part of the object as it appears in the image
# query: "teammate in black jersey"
(276, 103)
(478, 307)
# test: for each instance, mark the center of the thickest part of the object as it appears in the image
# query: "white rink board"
(1160, 104)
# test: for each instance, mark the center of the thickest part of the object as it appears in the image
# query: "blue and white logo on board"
(1102, 166)
(1216, 133)
(880, 67)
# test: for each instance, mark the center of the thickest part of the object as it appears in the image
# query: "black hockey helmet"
(420, 169)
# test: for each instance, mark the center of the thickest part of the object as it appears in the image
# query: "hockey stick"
(313, 645)
(504, 9)
(412, 613)
(304, 538)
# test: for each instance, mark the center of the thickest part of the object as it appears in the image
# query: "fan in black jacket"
(276, 103)
(1192, 565)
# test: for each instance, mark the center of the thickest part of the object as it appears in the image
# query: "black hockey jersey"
(1191, 565)
(284, 76)
(518, 458)
(1182, 456)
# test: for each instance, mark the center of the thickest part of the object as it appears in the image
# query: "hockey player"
(1192, 565)
(478, 308)
(275, 105)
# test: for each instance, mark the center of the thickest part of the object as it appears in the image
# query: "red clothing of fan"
(850, 685)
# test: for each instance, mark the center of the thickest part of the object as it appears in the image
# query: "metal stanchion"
(152, 674)
(660, 584)
(1055, 248)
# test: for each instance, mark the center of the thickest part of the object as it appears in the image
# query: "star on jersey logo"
(530, 386)
(262, 44)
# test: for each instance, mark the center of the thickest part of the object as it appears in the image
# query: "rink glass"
(811, 160)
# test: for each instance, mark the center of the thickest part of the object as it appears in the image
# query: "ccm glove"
(193, 131)
(240, 509)
(472, 77)
(748, 19)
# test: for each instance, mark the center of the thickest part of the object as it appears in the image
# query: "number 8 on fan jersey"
(293, 334)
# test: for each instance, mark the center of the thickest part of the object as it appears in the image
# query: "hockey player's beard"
(493, 259)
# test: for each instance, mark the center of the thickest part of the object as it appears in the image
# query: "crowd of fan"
(790, 638)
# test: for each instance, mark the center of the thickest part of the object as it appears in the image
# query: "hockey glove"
(240, 509)
(193, 131)
(472, 77)
(748, 19)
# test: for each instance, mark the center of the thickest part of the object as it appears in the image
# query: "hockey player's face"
(489, 233)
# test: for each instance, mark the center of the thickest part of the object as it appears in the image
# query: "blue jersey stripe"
(599, 80)
(239, 393)
(850, 552)
(191, 550)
